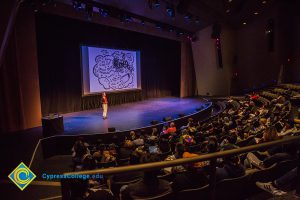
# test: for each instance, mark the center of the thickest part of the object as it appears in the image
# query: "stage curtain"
(59, 40)
(188, 77)
(20, 106)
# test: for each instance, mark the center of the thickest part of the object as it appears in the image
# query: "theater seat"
(166, 196)
(233, 189)
(190, 194)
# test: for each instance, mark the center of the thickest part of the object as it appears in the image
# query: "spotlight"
(158, 26)
(170, 10)
(124, 18)
(77, 5)
(128, 18)
(153, 4)
(103, 12)
(156, 3)
(89, 11)
(187, 17)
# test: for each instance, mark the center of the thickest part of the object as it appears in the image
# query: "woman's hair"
(270, 134)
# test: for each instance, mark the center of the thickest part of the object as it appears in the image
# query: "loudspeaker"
(216, 31)
(154, 122)
(181, 115)
(165, 119)
(270, 34)
(199, 108)
(111, 129)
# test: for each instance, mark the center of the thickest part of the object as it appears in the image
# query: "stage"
(129, 116)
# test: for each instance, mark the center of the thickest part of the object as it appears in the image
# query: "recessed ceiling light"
(255, 13)
(244, 23)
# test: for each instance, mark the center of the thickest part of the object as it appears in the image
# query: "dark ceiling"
(199, 13)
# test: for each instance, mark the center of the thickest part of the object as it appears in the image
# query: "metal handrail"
(211, 156)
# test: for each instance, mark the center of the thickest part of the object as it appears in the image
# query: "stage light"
(156, 3)
(158, 26)
(77, 5)
(255, 13)
(187, 17)
(171, 29)
(103, 12)
(228, 11)
(170, 10)
(264, 2)
(128, 19)
(153, 4)
(89, 11)
(244, 23)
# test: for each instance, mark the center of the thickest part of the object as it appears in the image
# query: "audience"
(249, 121)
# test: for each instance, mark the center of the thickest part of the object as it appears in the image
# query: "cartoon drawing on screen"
(114, 69)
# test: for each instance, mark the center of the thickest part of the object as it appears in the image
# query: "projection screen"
(109, 70)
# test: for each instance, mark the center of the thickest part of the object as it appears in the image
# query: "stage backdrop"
(59, 41)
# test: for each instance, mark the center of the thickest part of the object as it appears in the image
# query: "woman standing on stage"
(104, 105)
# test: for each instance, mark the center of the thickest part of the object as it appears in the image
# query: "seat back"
(198, 193)
(165, 196)
(124, 161)
(233, 189)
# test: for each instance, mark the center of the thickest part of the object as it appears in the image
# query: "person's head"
(263, 121)
(235, 160)
(104, 94)
(132, 135)
(270, 134)
(172, 124)
(88, 162)
(128, 144)
(179, 149)
(154, 131)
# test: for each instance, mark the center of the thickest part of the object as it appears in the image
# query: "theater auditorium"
(149, 99)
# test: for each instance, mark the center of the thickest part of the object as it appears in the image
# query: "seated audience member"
(126, 177)
(179, 150)
(107, 157)
(172, 128)
(288, 180)
(154, 135)
(164, 146)
(149, 186)
(270, 134)
(80, 147)
(289, 128)
(81, 190)
(79, 150)
(138, 141)
(132, 135)
(126, 150)
(112, 148)
(193, 177)
(232, 167)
